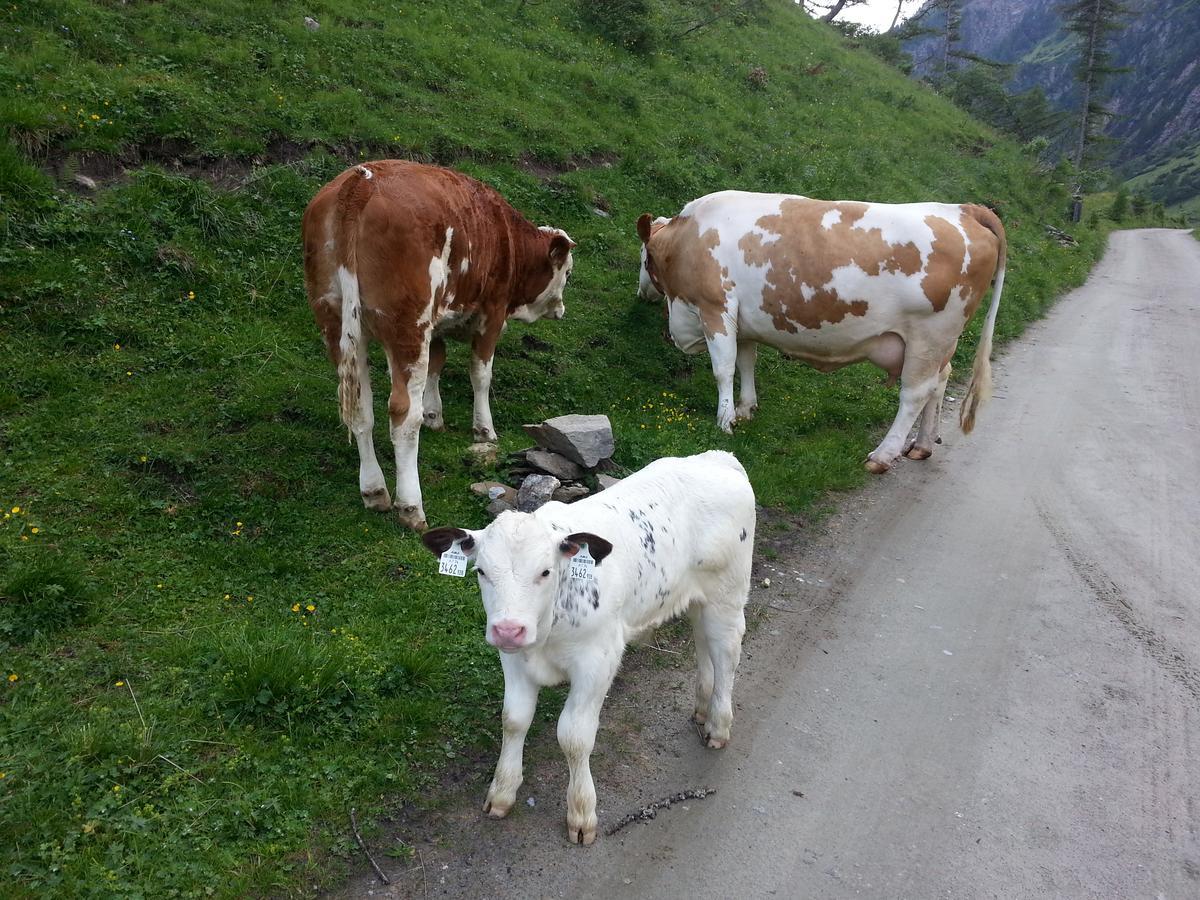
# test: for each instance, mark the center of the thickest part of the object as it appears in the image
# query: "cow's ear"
(439, 540)
(560, 246)
(643, 227)
(597, 546)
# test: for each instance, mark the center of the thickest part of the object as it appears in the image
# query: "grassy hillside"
(209, 648)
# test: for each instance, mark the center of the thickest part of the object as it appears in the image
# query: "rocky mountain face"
(1157, 102)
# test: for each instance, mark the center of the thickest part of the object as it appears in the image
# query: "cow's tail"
(352, 197)
(980, 387)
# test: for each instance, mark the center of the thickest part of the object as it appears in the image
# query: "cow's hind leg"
(433, 394)
(704, 666)
(921, 447)
(747, 355)
(918, 383)
(346, 341)
(404, 410)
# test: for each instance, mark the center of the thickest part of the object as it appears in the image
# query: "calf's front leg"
(577, 728)
(520, 700)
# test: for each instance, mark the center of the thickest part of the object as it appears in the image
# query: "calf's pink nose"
(507, 633)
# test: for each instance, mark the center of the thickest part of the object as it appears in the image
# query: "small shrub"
(279, 674)
(624, 22)
(42, 598)
(757, 77)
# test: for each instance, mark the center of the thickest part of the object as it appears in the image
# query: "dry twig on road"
(646, 813)
(370, 858)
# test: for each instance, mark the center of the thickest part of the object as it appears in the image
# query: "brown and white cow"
(831, 283)
(411, 254)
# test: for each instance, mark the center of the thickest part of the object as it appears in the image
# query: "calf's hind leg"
(704, 666)
(723, 629)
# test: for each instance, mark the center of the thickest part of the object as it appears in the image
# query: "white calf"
(567, 587)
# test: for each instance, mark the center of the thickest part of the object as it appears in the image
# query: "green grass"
(180, 721)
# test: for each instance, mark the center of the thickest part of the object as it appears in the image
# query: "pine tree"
(1094, 22)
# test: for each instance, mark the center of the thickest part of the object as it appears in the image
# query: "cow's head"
(547, 278)
(521, 565)
(648, 284)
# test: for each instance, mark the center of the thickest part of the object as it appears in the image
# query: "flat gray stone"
(535, 491)
(606, 481)
(494, 490)
(569, 493)
(582, 439)
(554, 464)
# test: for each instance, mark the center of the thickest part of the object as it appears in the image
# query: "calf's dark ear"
(560, 246)
(643, 226)
(439, 540)
(597, 546)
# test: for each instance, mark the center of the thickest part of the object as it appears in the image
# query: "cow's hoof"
(717, 743)
(918, 453)
(484, 435)
(435, 422)
(411, 517)
(379, 499)
(496, 809)
(875, 467)
(745, 413)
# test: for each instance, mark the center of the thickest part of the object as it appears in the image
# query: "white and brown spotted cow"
(831, 283)
(411, 254)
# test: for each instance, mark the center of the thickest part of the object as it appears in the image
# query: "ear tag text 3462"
(452, 562)
(582, 565)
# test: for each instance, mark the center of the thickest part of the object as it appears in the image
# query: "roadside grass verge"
(209, 648)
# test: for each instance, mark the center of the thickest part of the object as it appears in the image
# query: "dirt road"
(981, 680)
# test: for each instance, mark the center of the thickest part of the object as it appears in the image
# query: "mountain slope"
(1157, 103)
(248, 652)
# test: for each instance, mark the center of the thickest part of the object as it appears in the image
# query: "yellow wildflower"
(142, 458)
(116, 789)
(191, 295)
(116, 346)
(35, 529)
(13, 677)
(127, 372)
(295, 607)
(159, 585)
(311, 608)
(226, 596)
(95, 117)
(120, 684)
(16, 510)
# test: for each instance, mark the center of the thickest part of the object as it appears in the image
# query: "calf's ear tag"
(582, 565)
(453, 562)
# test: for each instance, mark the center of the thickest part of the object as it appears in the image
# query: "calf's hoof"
(496, 809)
(919, 453)
(717, 743)
(484, 435)
(581, 834)
(744, 413)
(411, 517)
(875, 467)
(379, 499)
(435, 422)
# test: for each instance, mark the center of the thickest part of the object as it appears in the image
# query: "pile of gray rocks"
(569, 449)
